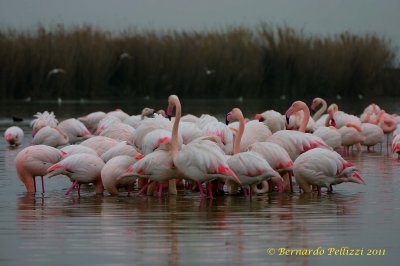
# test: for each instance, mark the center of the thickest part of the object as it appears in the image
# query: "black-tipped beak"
(226, 121)
(287, 120)
(169, 117)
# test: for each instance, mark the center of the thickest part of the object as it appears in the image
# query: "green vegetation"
(263, 62)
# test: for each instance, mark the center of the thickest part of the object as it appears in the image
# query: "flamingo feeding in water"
(323, 168)
(34, 161)
(14, 135)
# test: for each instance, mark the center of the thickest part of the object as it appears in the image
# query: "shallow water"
(54, 229)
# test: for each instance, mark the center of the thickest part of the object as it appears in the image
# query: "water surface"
(54, 229)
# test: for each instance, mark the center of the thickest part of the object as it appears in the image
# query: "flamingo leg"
(270, 185)
(34, 182)
(209, 189)
(160, 189)
(330, 188)
(79, 190)
(71, 187)
(42, 184)
(128, 189)
(143, 188)
(201, 189)
(291, 182)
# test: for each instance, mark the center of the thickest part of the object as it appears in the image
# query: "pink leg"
(160, 188)
(244, 192)
(128, 189)
(143, 188)
(79, 190)
(71, 187)
(270, 185)
(290, 182)
(209, 189)
(319, 190)
(34, 182)
(201, 189)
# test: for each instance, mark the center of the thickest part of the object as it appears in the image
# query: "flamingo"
(106, 122)
(396, 145)
(300, 115)
(373, 135)
(119, 131)
(121, 148)
(34, 161)
(118, 113)
(50, 136)
(74, 129)
(249, 167)
(14, 135)
(75, 149)
(92, 120)
(254, 131)
(41, 120)
(100, 144)
(81, 169)
(200, 160)
(135, 120)
(273, 119)
(277, 157)
(351, 135)
(316, 102)
(113, 174)
(323, 168)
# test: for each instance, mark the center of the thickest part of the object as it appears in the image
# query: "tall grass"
(263, 62)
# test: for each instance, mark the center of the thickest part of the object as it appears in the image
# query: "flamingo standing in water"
(200, 160)
(14, 135)
(323, 168)
(113, 174)
(43, 119)
(81, 169)
(249, 166)
(34, 161)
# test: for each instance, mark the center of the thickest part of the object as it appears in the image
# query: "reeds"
(263, 62)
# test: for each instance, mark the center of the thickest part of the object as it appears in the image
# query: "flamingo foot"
(71, 187)
(143, 188)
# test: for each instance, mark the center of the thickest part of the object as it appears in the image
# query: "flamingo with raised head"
(201, 160)
(81, 169)
(323, 168)
(249, 167)
(34, 161)
(14, 135)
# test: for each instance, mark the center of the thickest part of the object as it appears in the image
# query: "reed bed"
(265, 61)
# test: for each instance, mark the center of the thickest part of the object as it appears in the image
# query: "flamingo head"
(228, 118)
(350, 174)
(259, 117)
(8, 136)
(56, 169)
(169, 112)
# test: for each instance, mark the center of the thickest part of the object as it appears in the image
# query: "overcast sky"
(313, 16)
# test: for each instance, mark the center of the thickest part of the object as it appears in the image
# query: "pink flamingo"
(75, 149)
(113, 174)
(92, 120)
(118, 113)
(43, 119)
(119, 131)
(254, 131)
(100, 144)
(14, 135)
(323, 168)
(200, 160)
(278, 158)
(249, 167)
(81, 169)
(74, 129)
(273, 119)
(396, 145)
(373, 135)
(50, 136)
(34, 161)
(351, 135)
(316, 102)
(121, 148)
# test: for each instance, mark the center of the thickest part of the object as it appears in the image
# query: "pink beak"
(8, 136)
(356, 178)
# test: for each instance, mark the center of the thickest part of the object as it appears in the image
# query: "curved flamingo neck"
(320, 110)
(238, 115)
(174, 101)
